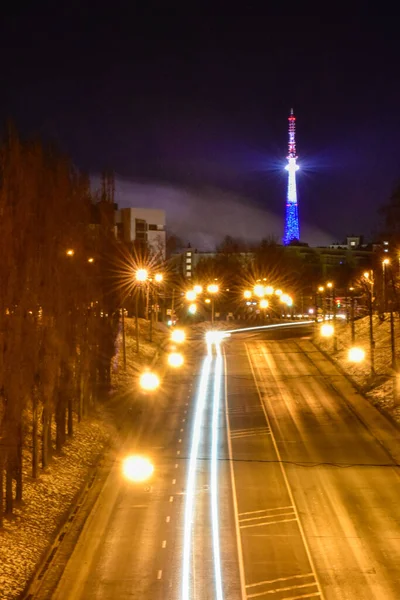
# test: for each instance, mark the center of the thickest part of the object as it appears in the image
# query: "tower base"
(292, 229)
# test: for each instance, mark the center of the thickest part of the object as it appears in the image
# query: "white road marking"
(270, 581)
(171, 498)
(267, 523)
(167, 519)
(164, 544)
(159, 574)
(253, 512)
(173, 481)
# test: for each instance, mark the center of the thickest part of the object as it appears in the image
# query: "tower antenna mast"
(292, 228)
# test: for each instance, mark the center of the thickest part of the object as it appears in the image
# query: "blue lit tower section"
(292, 229)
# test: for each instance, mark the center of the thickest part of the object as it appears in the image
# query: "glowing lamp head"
(386, 261)
(158, 277)
(278, 292)
(192, 309)
(269, 290)
(207, 300)
(263, 303)
(258, 290)
(190, 295)
(178, 336)
(356, 355)
(198, 289)
(247, 294)
(175, 359)
(70, 252)
(213, 288)
(141, 275)
(327, 330)
(137, 468)
(321, 288)
(149, 381)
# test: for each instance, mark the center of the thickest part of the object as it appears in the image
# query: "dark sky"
(203, 101)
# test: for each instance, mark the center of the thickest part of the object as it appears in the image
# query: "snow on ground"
(383, 388)
(27, 536)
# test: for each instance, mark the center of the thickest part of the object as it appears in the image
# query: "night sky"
(196, 107)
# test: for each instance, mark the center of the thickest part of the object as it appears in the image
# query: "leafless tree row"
(56, 316)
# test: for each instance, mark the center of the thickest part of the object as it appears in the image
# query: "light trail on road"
(263, 327)
(215, 397)
(191, 477)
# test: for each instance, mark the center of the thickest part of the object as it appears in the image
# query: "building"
(144, 226)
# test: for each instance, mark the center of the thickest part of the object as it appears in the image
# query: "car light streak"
(261, 327)
(214, 473)
(191, 478)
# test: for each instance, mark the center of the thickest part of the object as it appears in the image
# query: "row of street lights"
(192, 295)
(263, 292)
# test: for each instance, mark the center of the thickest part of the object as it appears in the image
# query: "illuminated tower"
(292, 229)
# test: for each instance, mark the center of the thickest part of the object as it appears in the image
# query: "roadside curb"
(356, 385)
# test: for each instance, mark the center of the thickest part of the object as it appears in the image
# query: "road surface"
(274, 479)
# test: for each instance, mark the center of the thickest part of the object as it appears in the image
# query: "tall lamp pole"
(141, 276)
(370, 283)
(213, 289)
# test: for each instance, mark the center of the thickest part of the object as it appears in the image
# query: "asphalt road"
(273, 479)
(317, 493)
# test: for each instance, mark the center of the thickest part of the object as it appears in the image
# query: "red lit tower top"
(292, 135)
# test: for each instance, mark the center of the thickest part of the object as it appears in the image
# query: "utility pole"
(137, 319)
(123, 338)
(353, 332)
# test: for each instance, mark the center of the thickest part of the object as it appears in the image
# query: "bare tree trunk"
(18, 463)
(70, 423)
(9, 479)
(46, 438)
(1, 492)
(35, 441)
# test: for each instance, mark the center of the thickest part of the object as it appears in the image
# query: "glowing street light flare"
(327, 330)
(178, 336)
(198, 289)
(207, 300)
(258, 290)
(386, 261)
(264, 303)
(213, 288)
(247, 294)
(70, 252)
(366, 275)
(149, 381)
(356, 355)
(175, 359)
(158, 277)
(278, 292)
(329, 285)
(321, 288)
(268, 290)
(90, 260)
(137, 468)
(190, 295)
(192, 309)
(141, 275)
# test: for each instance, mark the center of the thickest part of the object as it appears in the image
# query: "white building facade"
(143, 225)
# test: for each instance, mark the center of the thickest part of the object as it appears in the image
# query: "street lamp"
(198, 289)
(264, 303)
(369, 283)
(137, 468)
(212, 289)
(175, 359)
(259, 290)
(268, 290)
(247, 294)
(192, 308)
(385, 263)
(149, 381)
(141, 275)
(356, 355)
(70, 252)
(191, 295)
(327, 330)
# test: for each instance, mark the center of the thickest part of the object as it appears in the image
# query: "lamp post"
(333, 311)
(212, 289)
(141, 276)
(353, 332)
(385, 263)
(123, 337)
(370, 288)
(321, 290)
